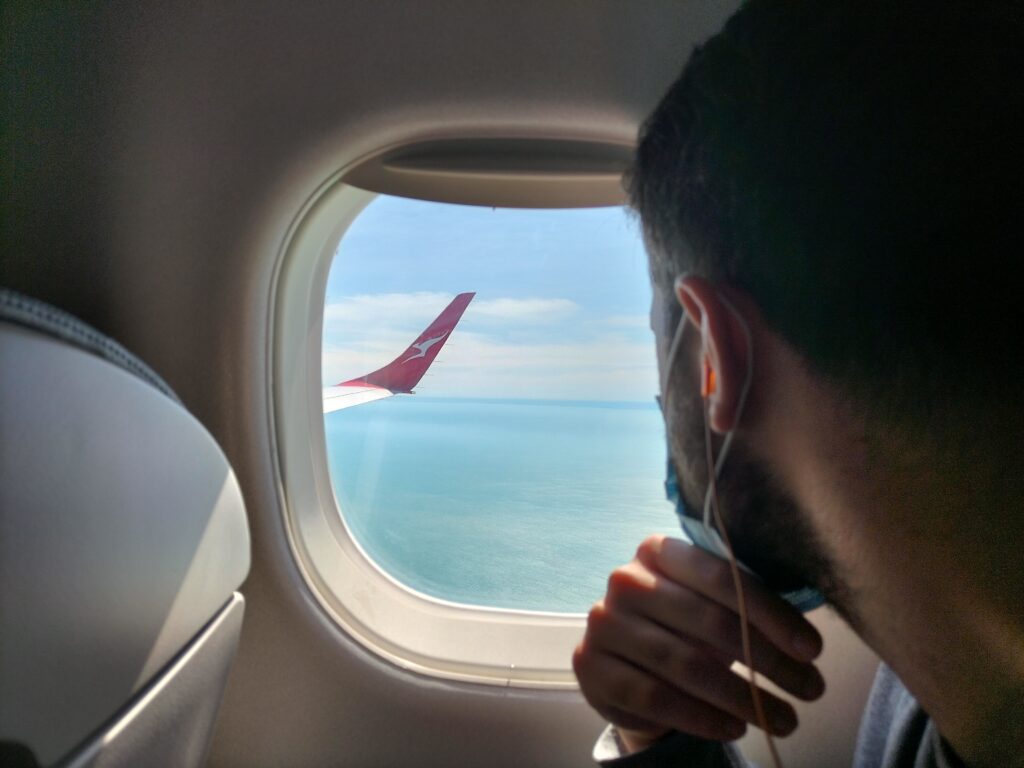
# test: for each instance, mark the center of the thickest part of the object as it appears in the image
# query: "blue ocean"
(521, 504)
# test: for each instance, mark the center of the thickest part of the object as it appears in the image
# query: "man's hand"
(658, 648)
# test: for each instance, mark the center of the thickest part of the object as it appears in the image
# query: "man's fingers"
(649, 596)
(801, 680)
(647, 730)
(629, 696)
(690, 566)
(691, 668)
(658, 651)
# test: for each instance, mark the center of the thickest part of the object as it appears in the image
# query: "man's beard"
(767, 530)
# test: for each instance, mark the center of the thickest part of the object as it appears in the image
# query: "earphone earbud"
(708, 382)
(707, 373)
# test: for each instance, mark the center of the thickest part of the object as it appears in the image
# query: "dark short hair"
(856, 167)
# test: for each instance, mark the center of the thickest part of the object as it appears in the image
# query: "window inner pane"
(530, 460)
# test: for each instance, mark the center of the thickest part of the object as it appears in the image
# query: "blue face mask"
(804, 599)
(698, 529)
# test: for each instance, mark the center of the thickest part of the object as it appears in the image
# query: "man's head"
(854, 172)
(856, 168)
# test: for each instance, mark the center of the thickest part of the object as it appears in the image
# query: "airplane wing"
(404, 372)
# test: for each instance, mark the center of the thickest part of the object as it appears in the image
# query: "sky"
(561, 307)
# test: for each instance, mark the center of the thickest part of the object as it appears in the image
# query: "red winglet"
(404, 372)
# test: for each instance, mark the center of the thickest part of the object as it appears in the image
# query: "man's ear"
(725, 347)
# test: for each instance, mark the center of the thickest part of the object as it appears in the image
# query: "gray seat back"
(123, 540)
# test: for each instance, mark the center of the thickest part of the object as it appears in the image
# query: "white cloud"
(405, 309)
(529, 310)
(366, 332)
(391, 308)
(638, 321)
(477, 365)
(472, 350)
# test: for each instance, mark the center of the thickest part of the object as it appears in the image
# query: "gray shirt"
(894, 733)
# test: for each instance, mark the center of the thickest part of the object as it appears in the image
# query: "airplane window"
(489, 380)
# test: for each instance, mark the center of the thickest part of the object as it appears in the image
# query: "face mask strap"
(744, 392)
(673, 351)
(703, 533)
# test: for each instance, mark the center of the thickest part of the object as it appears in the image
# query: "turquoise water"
(503, 503)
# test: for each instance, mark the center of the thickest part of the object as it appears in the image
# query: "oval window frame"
(494, 646)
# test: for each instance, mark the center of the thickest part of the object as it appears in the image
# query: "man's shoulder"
(897, 733)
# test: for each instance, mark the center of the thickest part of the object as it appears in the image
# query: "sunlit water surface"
(503, 503)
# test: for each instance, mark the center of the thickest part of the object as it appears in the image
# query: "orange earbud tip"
(708, 384)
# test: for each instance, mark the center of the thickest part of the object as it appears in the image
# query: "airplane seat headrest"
(47, 319)
(123, 541)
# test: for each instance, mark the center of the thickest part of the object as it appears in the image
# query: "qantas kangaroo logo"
(424, 347)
